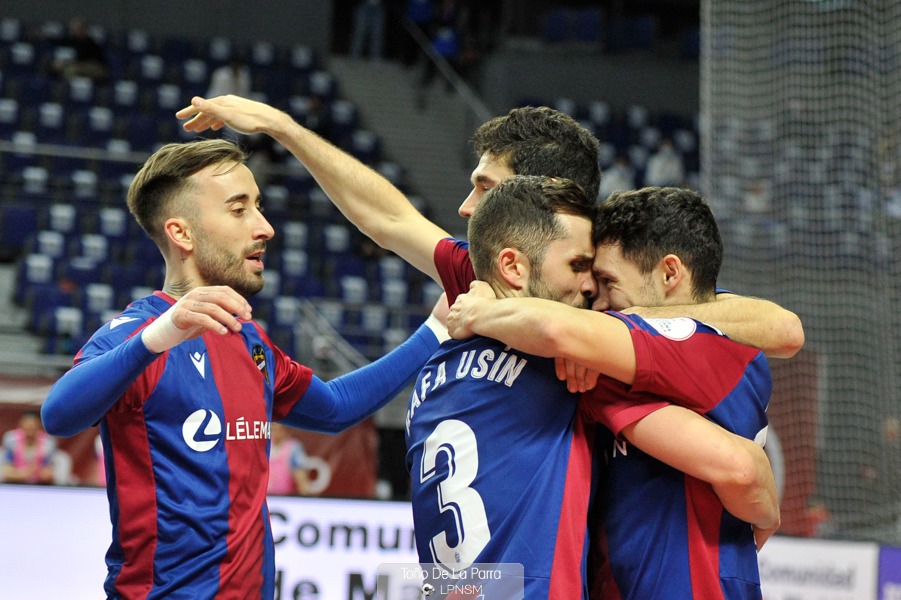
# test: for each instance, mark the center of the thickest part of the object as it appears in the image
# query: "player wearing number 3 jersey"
(500, 461)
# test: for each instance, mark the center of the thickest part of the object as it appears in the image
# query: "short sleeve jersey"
(500, 459)
(666, 534)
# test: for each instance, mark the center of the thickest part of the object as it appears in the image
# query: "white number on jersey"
(454, 442)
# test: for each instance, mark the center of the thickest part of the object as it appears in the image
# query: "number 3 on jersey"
(454, 444)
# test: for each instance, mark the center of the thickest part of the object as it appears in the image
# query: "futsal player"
(526, 141)
(185, 386)
(667, 533)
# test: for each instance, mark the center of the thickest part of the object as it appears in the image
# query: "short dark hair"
(652, 222)
(164, 177)
(543, 141)
(521, 212)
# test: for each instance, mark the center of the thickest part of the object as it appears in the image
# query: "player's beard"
(538, 288)
(219, 266)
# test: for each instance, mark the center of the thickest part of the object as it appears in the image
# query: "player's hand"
(762, 535)
(462, 314)
(241, 114)
(212, 308)
(578, 378)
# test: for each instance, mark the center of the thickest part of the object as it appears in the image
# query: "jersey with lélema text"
(186, 451)
(665, 533)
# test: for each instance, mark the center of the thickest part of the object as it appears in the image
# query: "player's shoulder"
(124, 324)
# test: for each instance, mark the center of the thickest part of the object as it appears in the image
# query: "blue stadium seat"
(18, 221)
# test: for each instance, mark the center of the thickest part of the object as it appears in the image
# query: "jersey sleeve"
(454, 267)
(346, 400)
(615, 406)
(106, 371)
(292, 380)
(685, 361)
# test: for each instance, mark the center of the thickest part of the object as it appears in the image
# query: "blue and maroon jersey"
(186, 451)
(500, 460)
(666, 534)
(501, 466)
(185, 438)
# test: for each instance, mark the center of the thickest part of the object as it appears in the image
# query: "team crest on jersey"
(259, 358)
(678, 329)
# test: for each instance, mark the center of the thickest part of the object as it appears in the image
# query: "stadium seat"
(294, 262)
(394, 292)
(295, 235)
(374, 318)
(219, 50)
(10, 30)
(262, 55)
(18, 221)
(354, 289)
(303, 58)
(588, 24)
(97, 298)
(557, 25)
(323, 86)
(9, 116)
(79, 271)
(365, 146)
(50, 243)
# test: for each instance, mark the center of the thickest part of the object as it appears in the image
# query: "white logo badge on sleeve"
(678, 329)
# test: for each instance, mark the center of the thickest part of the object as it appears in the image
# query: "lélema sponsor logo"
(202, 430)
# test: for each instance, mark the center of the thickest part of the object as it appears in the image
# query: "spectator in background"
(234, 78)
(28, 452)
(231, 78)
(89, 57)
(288, 470)
(368, 30)
(619, 177)
(665, 167)
(417, 13)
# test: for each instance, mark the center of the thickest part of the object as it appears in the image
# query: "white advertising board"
(53, 540)
(807, 569)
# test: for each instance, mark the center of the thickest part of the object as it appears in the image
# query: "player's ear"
(513, 268)
(179, 233)
(672, 270)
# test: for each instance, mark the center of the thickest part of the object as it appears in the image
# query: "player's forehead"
(576, 244)
(609, 260)
(219, 183)
(491, 170)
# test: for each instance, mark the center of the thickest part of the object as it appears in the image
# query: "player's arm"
(736, 467)
(86, 392)
(750, 321)
(333, 406)
(546, 328)
(366, 198)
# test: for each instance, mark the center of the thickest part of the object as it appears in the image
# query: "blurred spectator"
(288, 470)
(665, 167)
(28, 452)
(368, 29)
(231, 78)
(419, 14)
(619, 177)
(234, 78)
(88, 56)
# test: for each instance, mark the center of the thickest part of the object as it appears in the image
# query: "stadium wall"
(281, 22)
